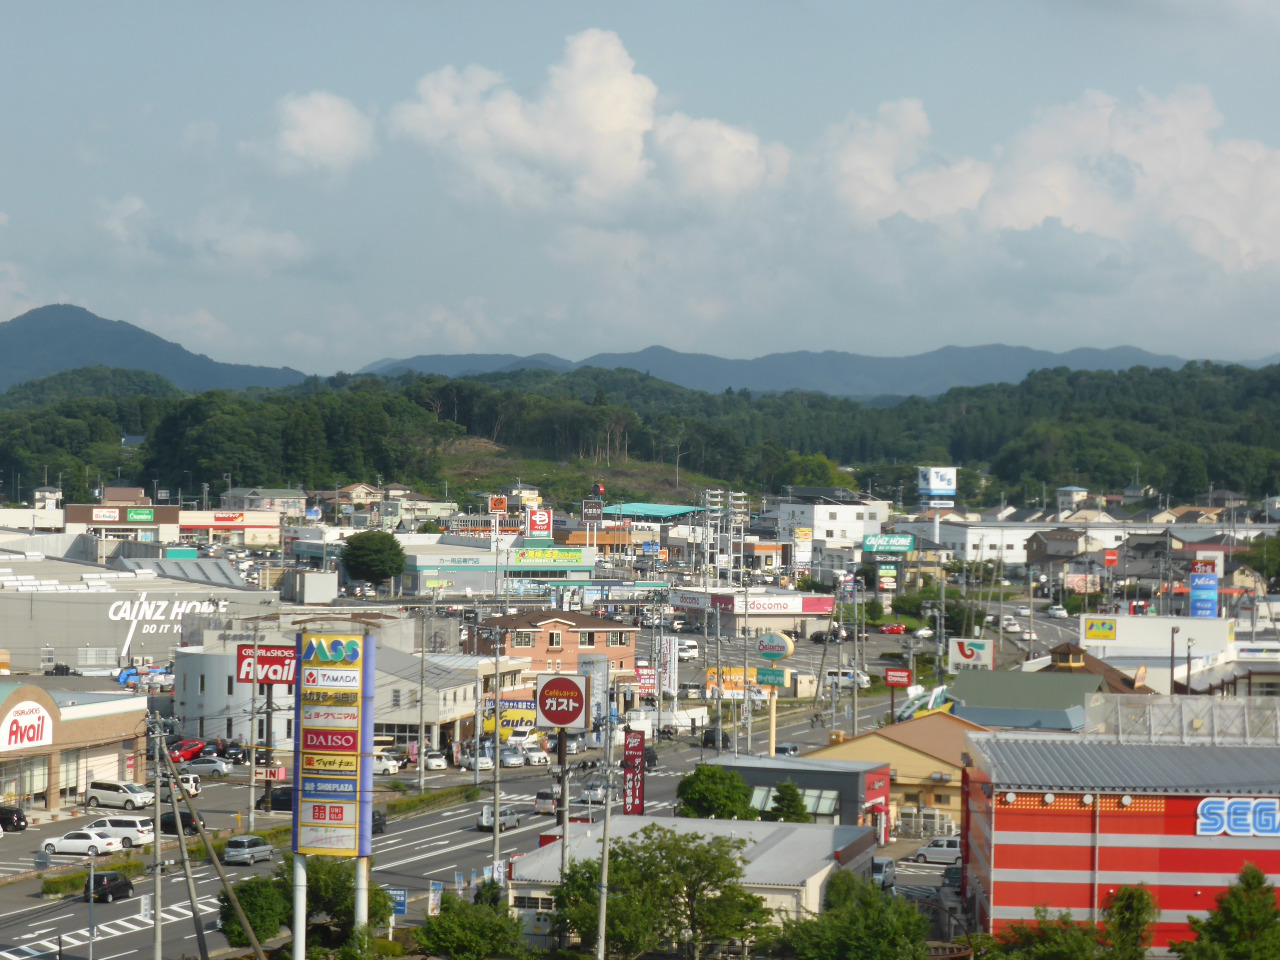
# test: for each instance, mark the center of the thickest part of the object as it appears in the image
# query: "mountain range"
(831, 371)
(51, 339)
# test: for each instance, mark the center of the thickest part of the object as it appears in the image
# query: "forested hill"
(1179, 430)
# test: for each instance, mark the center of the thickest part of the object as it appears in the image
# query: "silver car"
(507, 818)
(248, 849)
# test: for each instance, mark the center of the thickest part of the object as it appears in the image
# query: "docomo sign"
(897, 677)
(774, 646)
(539, 522)
(27, 725)
(278, 665)
(561, 701)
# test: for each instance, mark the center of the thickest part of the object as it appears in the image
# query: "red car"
(893, 628)
(185, 750)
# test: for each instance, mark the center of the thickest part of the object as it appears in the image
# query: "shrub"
(74, 882)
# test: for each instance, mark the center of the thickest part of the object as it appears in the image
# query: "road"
(435, 845)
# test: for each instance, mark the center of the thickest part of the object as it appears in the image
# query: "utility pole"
(422, 707)
(175, 788)
(601, 920)
(253, 730)
(157, 866)
(497, 748)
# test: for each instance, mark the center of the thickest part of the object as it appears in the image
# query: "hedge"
(437, 798)
(74, 882)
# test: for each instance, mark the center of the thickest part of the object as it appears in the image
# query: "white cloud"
(197, 330)
(200, 135)
(125, 220)
(318, 131)
(592, 135)
(223, 238)
(14, 297)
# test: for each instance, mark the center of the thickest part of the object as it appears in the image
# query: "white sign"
(935, 482)
(775, 646)
(670, 666)
(106, 514)
(330, 717)
(27, 725)
(333, 679)
(970, 655)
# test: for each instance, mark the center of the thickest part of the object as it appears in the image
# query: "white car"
(130, 831)
(385, 765)
(924, 633)
(536, 757)
(1029, 635)
(89, 842)
(1022, 611)
(1057, 612)
(512, 757)
(436, 761)
(594, 791)
(1011, 626)
(212, 766)
(481, 762)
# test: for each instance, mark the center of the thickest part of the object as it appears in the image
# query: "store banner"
(633, 773)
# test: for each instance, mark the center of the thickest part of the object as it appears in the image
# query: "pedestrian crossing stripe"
(79, 937)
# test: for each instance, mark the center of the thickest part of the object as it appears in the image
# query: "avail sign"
(27, 725)
(278, 665)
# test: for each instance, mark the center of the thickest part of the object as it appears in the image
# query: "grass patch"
(436, 798)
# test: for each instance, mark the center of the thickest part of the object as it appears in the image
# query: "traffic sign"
(561, 701)
(769, 677)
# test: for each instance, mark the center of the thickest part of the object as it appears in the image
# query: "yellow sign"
(330, 763)
(1097, 629)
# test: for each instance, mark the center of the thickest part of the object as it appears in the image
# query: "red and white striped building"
(1062, 821)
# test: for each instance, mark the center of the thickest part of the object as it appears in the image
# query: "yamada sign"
(27, 725)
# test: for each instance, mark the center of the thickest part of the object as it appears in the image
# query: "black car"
(107, 886)
(169, 826)
(709, 737)
(12, 819)
(379, 824)
(280, 798)
(236, 753)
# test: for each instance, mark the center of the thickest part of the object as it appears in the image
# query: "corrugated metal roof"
(650, 511)
(1023, 691)
(1079, 763)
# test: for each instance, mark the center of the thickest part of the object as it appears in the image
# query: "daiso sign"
(27, 725)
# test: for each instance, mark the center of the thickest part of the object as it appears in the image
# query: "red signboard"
(647, 681)
(498, 506)
(561, 701)
(1204, 566)
(275, 664)
(897, 677)
(331, 741)
(633, 773)
(1110, 558)
(539, 522)
(228, 517)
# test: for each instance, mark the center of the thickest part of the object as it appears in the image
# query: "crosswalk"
(117, 927)
(909, 868)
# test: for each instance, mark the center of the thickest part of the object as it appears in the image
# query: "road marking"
(114, 955)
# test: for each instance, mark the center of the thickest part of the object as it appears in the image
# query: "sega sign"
(1238, 817)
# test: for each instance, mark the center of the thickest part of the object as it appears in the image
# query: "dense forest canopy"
(1178, 431)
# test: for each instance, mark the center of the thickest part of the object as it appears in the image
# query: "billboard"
(970, 655)
(633, 773)
(538, 522)
(732, 682)
(274, 664)
(1204, 589)
(936, 482)
(802, 546)
(670, 665)
(647, 681)
(593, 511)
(498, 506)
(562, 700)
(332, 772)
(515, 714)
(547, 556)
(889, 543)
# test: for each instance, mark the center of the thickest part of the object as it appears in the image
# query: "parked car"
(477, 762)
(130, 831)
(939, 850)
(894, 627)
(12, 819)
(280, 798)
(169, 826)
(435, 760)
(208, 766)
(507, 818)
(884, 871)
(107, 886)
(512, 757)
(211, 749)
(185, 750)
(709, 737)
(385, 764)
(520, 736)
(247, 849)
(89, 842)
(236, 753)
(118, 793)
(1057, 612)
(190, 785)
(572, 744)
(535, 756)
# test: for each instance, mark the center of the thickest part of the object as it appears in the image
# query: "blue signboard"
(1204, 592)
(399, 900)
(649, 548)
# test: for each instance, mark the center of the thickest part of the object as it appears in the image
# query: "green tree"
(637, 921)
(1127, 918)
(373, 556)
(788, 804)
(1243, 925)
(331, 894)
(859, 922)
(713, 792)
(470, 931)
(265, 905)
(1050, 937)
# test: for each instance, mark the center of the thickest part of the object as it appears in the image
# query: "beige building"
(924, 758)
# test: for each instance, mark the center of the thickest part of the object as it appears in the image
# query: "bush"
(435, 798)
(74, 882)
(265, 905)
(388, 948)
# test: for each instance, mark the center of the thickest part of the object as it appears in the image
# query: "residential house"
(552, 640)
(125, 497)
(286, 502)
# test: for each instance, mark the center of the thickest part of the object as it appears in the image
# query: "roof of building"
(649, 511)
(937, 735)
(1023, 718)
(536, 619)
(784, 765)
(205, 570)
(264, 492)
(1047, 762)
(1069, 658)
(776, 854)
(1023, 691)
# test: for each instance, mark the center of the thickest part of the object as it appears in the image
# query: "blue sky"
(323, 185)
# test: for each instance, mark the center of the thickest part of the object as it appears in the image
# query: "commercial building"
(54, 742)
(788, 865)
(283, 502)
(734, 610)
(552, 640)
(1066, 820)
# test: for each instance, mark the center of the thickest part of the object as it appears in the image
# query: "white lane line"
(114, 955)
(458, 846)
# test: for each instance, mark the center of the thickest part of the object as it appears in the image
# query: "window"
(831, 515)
(231, 685)
(395, 699)
(262, 730)
(830, 534)
(202, 683)
(549, 667)
(911, 798)
(523, 638)
(228, 728)
(941, 800)
(872, 515)
(553, 639)
(617, 639)
(288, 728)
(534, 903)
(843, 535)
(586, 639)
(860, 515)
(557, 666)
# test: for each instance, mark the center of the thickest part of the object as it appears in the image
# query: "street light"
(1173, 633)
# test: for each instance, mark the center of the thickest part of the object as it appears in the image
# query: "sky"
(323, 185)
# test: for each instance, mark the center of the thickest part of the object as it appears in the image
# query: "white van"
(118, 793)
(688, 650)
(519, 736)
(846, 677)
